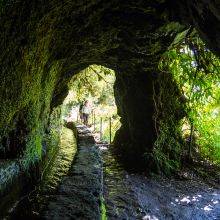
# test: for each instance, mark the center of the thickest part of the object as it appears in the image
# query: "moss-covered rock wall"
(44, 43)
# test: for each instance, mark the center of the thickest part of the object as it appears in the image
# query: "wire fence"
(104, 126)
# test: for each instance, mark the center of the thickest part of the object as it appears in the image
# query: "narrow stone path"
(126, 195)
(120, 199)
(79, 195)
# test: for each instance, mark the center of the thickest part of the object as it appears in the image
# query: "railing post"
(100, 128)
(110, 130)
(94, 121)
(77, 117)
(191, 141)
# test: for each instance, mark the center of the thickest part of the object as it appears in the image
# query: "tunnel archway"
(94, 86)
(44, 48)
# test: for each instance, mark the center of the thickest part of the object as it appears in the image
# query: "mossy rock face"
(44, 43)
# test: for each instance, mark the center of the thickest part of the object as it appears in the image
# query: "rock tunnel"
(44, 43)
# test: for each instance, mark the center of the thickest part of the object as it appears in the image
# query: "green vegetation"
(103, 209)
(26, 97)
(169, 145)
(196, 72)
(95, 84)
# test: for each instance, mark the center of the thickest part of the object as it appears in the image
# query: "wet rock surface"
(95, 174)
(134, 196)
(55, 40)
(79, 194)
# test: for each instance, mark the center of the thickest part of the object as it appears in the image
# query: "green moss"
(103, 209)
(169, 144)
(28, 90)
(44, 44)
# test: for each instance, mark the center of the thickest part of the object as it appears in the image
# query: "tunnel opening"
(167, 114)
(93, 85)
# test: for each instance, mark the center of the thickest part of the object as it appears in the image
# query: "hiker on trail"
(86, 111)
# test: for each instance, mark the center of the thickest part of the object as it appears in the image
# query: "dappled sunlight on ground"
(192, 200)
(135, 196)
(150, 217)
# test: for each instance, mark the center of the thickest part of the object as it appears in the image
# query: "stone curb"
(79, 195)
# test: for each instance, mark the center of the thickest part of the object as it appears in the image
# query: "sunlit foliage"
(197, 73)
(95, 84)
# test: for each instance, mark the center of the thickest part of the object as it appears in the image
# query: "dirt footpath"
(133, 196)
